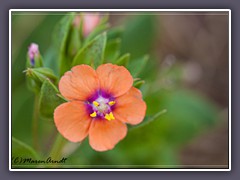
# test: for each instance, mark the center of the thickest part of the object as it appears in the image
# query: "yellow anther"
(111, 103)
(95, 103)
(109, 116)
(94, 114)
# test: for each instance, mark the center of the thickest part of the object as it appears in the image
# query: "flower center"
(102, 107)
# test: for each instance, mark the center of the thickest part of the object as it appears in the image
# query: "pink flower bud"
(76, 21)
(90, 21)
(33, 52)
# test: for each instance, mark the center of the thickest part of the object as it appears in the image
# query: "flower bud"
(90, 21)
(33, 56)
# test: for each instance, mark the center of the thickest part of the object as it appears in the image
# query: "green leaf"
(98, 30)
(60, 37)
(123, 60)
(36, 76)
(20, 152)
(47, 72)
(137, 65)
(49, 99)
(138, 83)
(93, 53)
(149, 119)
(74, 42)
(112, 50)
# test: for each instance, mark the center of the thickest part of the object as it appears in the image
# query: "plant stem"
(35, 123)
(56, 151)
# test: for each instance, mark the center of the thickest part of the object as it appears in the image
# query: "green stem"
(35, 123)
(56, 151)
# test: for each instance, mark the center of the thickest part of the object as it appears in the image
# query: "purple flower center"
(100, 105)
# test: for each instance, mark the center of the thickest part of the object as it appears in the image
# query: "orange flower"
(100, 103)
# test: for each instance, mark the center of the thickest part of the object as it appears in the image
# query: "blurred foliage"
(22, 152)
(155, 144)
(93, 53)
(49, 99)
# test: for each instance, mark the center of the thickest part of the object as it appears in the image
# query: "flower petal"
(130, 108)
(104, 134)
(79, 83)
(114, 79)
(135, 92)
(72, 120)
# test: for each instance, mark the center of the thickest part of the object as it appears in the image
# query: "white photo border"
(120, 10)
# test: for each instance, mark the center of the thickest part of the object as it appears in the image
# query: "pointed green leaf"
(148, 120)
(19, 148)
(137, 65)
(93, 53)
(61, 34)
(33, 85)
(21, 152)
(49, 99)
(47, 72)
(112, 50)
(123, 60)
(138, 83)
(74, 42)
(36, 76)
(98, 30)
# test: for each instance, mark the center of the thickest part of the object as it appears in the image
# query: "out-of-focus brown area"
(201, 43)
(209, 149)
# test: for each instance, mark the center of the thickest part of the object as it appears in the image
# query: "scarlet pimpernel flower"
(100, 103)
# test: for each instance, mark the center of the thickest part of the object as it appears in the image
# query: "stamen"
(94, 114)
(109, 116)
(101, 107)
(111, 103)
(95, 103)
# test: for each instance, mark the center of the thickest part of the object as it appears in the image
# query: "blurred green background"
(187, 74)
